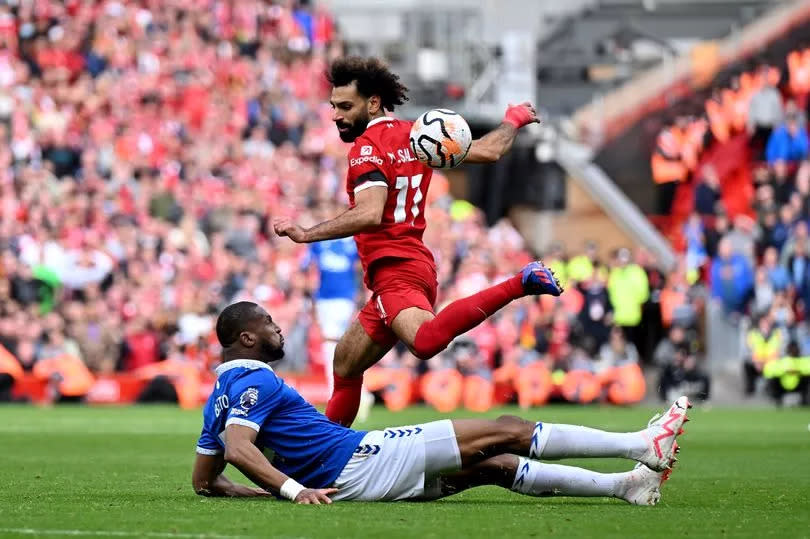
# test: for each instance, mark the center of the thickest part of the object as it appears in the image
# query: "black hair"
(372, 77)
(232, 320)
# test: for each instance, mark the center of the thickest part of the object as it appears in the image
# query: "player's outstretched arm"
(208, 480)
(497, 142)
(367, 212)
(241, 451)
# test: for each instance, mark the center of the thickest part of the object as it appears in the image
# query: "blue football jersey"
(336, 261)
(307, 446)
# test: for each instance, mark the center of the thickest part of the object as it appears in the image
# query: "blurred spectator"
(628, 289)
(714, 234)
(10, 371)
(141, 346)
(764, 343)
(681, 375)
(788, 142)
(707, 193)
(798, 270)
(695, 243)
(337, 265)
(789, 374)
(596, 316)
(732, 278)
(581, 267)
(670, 164)
(764, 111)
(778, 275)
(616, 352)
(666, 350)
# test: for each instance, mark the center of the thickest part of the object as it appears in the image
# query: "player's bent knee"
(427, 344)
(513, 429)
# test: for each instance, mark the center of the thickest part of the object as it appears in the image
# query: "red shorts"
(396, 284)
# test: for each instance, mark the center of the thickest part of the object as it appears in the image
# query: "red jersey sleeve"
(366, 166)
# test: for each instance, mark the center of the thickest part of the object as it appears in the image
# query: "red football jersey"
(382, 156)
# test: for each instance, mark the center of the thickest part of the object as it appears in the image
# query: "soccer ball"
(441, 138)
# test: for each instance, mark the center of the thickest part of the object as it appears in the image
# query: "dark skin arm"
(241, 451)
(497, 142)
(493, 145)
(208, 480)
(366, 214)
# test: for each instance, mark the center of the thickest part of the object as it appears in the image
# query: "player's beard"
(355, 130)
(272, 353)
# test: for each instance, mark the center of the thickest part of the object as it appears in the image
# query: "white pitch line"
(116, 533)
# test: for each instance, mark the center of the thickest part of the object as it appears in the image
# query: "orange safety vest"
(533, 385)
(76, 378)
(442, 389)
(395, 384)
(799, 71)
(667, 165)
(625, 384)
(9, 364)
(581, 386)
(478, 393)
(185, 378)
(718, 121)
(670, 299)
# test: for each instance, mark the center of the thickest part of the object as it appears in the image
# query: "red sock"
(345, 401)
(462, 315)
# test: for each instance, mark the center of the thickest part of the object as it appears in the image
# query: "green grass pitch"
(125, 472)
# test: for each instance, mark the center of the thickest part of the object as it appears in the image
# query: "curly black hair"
(372, 77)
(232, 321)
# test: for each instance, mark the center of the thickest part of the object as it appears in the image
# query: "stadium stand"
(147, 147)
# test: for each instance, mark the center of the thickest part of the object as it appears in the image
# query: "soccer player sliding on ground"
(387, 189)
(317, 461)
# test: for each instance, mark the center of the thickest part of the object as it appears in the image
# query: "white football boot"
(661, 434)
(643, 485)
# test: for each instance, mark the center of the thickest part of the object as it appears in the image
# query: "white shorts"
(400, 463)
(334, 317)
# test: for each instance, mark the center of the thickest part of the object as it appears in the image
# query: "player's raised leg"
(355, 352)
(640, 486)
(427, 334)
(655, 446)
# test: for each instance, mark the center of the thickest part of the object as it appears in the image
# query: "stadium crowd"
(755, 261)
(147, 145)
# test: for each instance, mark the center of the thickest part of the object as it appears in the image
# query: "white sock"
(556, 441)
(328, 351)
(542, 479)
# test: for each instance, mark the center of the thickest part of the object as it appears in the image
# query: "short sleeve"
(208, 444)
(366, 166)
(253, 399)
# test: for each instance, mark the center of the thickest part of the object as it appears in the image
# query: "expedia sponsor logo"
(366, 159)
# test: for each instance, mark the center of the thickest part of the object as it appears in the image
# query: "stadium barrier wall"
(444, 390)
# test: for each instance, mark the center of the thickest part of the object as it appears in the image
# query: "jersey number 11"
(406, 185)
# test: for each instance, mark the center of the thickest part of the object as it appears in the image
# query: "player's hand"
(315, 496)
(520, 115)
(284, 226)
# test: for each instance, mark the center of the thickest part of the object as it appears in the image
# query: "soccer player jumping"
(387, 189)
(317, 461)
